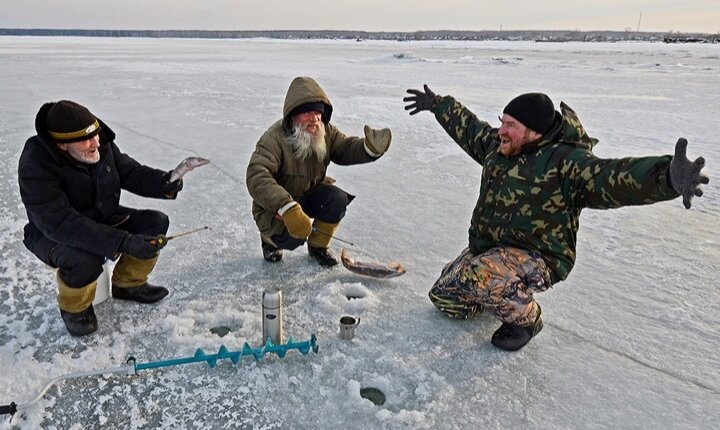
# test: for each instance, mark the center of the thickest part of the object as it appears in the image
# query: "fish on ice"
(374, 270)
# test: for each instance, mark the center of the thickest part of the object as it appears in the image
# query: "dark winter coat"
(533, 200)
(77, 204)
(275, 177)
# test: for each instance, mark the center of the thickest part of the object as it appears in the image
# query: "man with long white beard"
(286, 176)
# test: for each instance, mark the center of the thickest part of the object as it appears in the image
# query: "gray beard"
(83, 158)
(305, 145)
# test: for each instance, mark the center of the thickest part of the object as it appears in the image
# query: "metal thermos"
(272, 320)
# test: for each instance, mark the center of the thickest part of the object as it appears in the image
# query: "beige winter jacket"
(275, 177)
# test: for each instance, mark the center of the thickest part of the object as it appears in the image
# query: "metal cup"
(347, 326)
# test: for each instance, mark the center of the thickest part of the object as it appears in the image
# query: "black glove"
(419, 101)
(171, 189)
(142, 246)
(684, 176)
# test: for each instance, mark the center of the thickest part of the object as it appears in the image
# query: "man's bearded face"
(308, 136)
(514, 135)
(85, 151)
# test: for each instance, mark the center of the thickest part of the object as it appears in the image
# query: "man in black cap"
(539, 172)
(286, 176)
(70, 175)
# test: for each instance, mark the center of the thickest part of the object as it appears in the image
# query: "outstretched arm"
(611, 183)
(685, 176)
(477, 138)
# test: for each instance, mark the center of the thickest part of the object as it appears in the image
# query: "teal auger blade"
(131, 367)
(258, 353)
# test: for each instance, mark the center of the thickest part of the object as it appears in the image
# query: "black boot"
(271, 253)
(323, 256)
(80, 323)
(513, 337)
(145, 293)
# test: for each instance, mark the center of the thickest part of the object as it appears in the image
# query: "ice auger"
(132, 367)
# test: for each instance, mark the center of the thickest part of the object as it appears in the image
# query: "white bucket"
(102, 292)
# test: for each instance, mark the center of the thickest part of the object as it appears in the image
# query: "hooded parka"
(275, 177)
(77, 204)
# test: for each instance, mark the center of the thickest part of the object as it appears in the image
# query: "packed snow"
(631, 338)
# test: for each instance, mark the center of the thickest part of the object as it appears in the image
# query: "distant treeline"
(536, 35)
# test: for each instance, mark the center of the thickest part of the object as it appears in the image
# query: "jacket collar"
(566, 129)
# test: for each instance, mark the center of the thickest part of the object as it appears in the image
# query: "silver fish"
(187, 165)
(374, 270)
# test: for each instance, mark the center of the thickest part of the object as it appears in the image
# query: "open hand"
(419, 101)
(685, 176)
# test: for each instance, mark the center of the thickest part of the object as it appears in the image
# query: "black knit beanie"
(69, 122)
(534, 110)
(307, 107)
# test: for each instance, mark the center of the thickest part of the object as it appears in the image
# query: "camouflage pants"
(500, 281)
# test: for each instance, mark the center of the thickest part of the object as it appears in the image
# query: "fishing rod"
(175, 236)
(315, 229)
(132, 367)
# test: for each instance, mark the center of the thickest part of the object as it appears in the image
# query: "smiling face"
(513, 135)
(85, 151)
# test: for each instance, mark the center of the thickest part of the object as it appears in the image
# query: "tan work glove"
(297, 222)
(377, 141)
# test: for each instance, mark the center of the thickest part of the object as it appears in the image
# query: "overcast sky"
(367, 15)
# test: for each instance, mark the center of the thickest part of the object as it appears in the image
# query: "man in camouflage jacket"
(539, 172)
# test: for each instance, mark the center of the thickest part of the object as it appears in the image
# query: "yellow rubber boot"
(321, 234)
(74, 300)
(319, 241)
(132, 272)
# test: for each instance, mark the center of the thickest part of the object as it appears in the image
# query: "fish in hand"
(187, 165)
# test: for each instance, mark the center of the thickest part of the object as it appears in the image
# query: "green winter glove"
(684, 176)
(297, 222)
(419, 101)
(377, 141)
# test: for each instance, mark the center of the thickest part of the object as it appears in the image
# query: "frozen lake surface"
(631, 338)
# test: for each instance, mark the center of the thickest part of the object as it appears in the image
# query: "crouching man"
(70, 175)
(286, 176)
(539, 173)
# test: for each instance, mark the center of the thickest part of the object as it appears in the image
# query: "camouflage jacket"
(533, 200)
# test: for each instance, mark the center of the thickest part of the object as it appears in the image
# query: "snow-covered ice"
(631, 339)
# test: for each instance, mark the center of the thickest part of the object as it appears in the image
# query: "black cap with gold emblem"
(68, 122)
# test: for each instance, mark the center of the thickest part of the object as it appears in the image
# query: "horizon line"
(361, 31)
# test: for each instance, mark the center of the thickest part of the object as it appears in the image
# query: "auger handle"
(8, 409)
